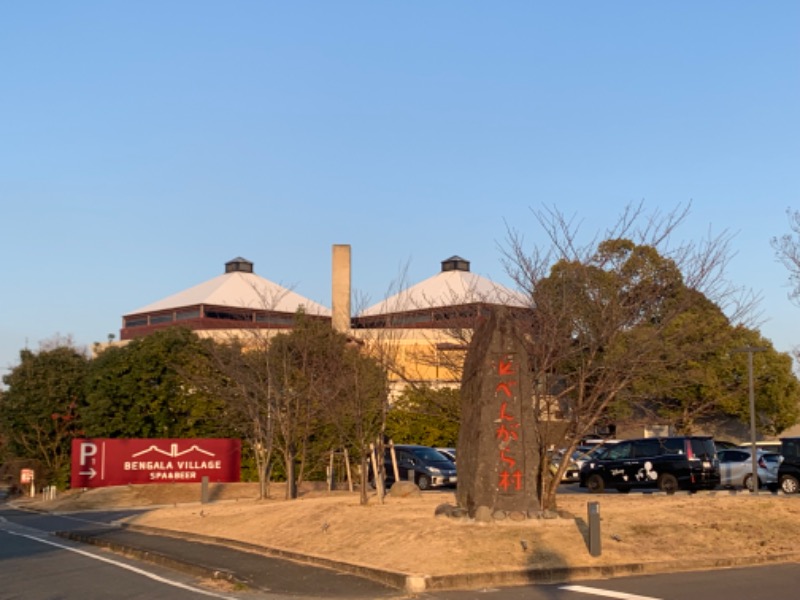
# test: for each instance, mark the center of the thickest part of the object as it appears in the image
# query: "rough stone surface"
(444, 510)
(404, 489)
(483, 514)
(498, 458)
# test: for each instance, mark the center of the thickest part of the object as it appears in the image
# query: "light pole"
(753, 447)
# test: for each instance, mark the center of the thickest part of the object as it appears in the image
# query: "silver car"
(449, 453)
(736, 468)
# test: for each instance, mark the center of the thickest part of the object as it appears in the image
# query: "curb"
(154, 557)
(569, 574)
(415, 583)
(390, 578)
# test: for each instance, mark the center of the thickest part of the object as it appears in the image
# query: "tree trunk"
(363, 481)
(291, 480)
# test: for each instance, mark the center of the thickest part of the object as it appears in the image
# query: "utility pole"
(753, 448)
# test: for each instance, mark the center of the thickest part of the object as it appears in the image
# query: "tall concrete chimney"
(340, 297)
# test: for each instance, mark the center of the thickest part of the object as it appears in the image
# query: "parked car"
(789, 469)
(580, 455)
(774, 461)
(583, 454)
(449, 453)
(725, 444)
(766, 446)
(430, 468)
(667, 463)
(571, 473)
(736, 468)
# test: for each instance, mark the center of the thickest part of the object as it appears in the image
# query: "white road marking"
(69, 517)
(123, 566)
(605, 593)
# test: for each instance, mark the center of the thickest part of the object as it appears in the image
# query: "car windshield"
(429, 455)
(598, 451)
(703, 448)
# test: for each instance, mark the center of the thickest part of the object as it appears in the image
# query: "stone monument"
(498, 456)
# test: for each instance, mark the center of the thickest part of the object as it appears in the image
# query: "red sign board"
(105, 462)
(26, 476)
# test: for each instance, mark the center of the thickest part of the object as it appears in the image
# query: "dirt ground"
(403, 534)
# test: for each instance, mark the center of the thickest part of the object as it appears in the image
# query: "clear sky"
(144, 144)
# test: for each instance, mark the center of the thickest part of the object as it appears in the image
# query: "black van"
(430, 467)
(789, 469)
(666, 463)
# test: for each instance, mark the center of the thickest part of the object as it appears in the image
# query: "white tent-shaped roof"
(455, 285)
(239, 289)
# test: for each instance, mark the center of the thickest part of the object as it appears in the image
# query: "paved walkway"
(238, 565)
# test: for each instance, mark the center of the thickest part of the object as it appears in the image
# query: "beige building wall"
(431, 357)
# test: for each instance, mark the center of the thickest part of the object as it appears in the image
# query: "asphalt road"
(35, 565)
(774, 582)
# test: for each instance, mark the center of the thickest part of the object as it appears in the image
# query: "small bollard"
(204, 490)
(330, 474)
(594, 528)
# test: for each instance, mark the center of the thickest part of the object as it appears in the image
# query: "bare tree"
(355, 406)
(241, 372)
(787, 249)
(238, 375)
(600, 312)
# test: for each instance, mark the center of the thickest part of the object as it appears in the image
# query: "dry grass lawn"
(402, 534)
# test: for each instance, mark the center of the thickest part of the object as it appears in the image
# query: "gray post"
(204, 490)
(752, 397)
(594, 528)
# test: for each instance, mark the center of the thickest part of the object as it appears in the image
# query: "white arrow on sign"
(91, 473)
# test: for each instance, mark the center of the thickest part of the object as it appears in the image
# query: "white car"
(736, 468)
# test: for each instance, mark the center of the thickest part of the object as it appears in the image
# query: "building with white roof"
(432, 300)
(425, 327)
(238, 299)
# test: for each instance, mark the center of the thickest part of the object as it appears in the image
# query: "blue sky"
(144, 144)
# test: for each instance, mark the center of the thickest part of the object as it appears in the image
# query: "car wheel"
(748, 482)
(668, 483)
(789, 484)
(623, 489)
(595, 484)
(424, 482)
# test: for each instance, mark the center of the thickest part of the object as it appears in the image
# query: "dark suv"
(666, 463)
(430, 467)
(789, 469)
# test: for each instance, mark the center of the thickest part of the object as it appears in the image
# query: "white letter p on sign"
(88, 449)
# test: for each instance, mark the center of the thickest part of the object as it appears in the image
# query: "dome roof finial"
(239, 265)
